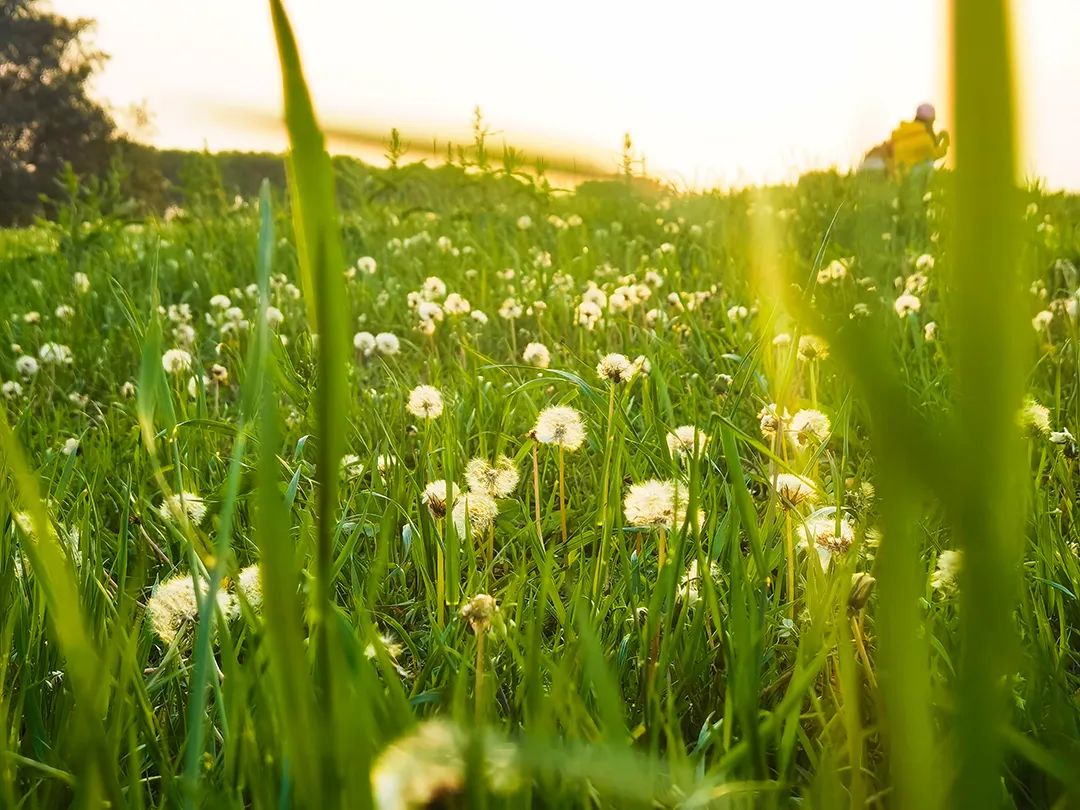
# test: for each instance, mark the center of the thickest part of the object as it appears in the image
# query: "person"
(912, 146)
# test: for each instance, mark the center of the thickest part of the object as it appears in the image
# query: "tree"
(47, 119)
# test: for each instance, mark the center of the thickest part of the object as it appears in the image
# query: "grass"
(740, 673)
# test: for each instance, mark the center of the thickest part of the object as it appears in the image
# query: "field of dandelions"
(606, 530)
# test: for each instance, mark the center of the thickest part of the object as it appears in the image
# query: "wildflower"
(183, 503)
(220, 302)
(426, 768)
(81, 282)
(219, 375)
(387, 344)
(808, 426)
(26, 365)
(1062, 436)
(127, 390)
(588, 314)
(560, 425)
(479, 317)
(836, 270)
(737, 313)
(497, 480)
(249, 586)
(524, 222)
(1034, 418)
(771, 420)
(688, 590)
(71, 446)
(429, 312)
(924, 262)
(657, 504)
(812, 347)
(650, 504)
(1041, 321)
(425, 402)
(949, 565)
(274, 317)
(456, 305)
(65, 313)
(384, 463)
(793, 489)
(366, 265)
(782, 340)
(176, 361)
(55, 354)
(930, 332)
(436, 495)
(32, 317)
(510, 309)
(11, 390)
(828, 536)
(364, 342)
(351, 466)
(615, 368)
(477, 509)
(479, 612)
(537, 354)
(686, 441)
(434, 288)
(174, 604)
(907, 304)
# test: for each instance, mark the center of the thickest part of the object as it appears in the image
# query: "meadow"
(429, 487)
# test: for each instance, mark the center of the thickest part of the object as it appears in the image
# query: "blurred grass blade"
(990, 344)
(54, 574)
(302, 741)
(315, 218)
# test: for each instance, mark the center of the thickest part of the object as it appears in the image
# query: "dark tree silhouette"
(46, 117)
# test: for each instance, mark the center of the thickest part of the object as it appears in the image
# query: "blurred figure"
(912, 146)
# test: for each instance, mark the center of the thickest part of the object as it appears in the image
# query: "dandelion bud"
(479, 611)
(862, 586)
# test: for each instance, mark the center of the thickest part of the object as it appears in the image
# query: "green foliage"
(603, 679)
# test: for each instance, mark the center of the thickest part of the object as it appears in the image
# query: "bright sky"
(713, 93)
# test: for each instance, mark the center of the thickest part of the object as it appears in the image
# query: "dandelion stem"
(562, 491)
(661, 548)
(440, 579)
(789, 548)
(536, 491)
(479, 686)
(860, 645)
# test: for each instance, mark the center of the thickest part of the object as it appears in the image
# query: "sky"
(713, 93)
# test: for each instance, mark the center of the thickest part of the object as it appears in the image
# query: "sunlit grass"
(783, 537)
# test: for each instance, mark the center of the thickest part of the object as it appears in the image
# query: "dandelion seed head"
(475, 511)
(907, 304)
(615, 368)
(479, 612)
(436, 495)
(794, 489)
(176, 361)
(249, 585)
(1034, 418)
(174, 604)
(425, 402)
(808, 427)
(560, 425)
(812, 347)
(497, 480)
(686, 441)
(175, 506)
(537, 354)
(822, 535)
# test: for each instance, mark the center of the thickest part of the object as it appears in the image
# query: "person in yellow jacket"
(913, 144)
